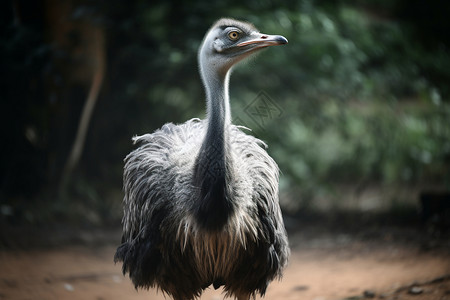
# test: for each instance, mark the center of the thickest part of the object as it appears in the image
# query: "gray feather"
(180, 176)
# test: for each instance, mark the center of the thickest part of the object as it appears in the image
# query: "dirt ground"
(325, 264)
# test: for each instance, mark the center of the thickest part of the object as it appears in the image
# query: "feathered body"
(201, 206)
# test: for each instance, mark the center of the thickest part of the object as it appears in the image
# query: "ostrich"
(201, 198)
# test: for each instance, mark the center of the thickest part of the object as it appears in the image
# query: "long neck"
(218, 108)
(212, 172)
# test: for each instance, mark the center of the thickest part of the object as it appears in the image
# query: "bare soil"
(381, 263)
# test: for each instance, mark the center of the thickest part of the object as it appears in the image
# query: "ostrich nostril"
(264, 37)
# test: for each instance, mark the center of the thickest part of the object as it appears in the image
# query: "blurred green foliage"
(362, 87)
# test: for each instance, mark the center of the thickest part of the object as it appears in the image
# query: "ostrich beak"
(260, 40)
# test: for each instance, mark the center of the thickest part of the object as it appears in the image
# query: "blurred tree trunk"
(98, 55)
(74, 84)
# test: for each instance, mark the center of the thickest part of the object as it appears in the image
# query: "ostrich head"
(228, 42)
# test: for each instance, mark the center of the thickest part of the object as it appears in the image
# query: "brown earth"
(325, 264)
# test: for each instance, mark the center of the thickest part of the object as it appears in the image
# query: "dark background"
(361, 95)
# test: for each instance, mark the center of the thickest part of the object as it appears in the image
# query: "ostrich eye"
(233, 35)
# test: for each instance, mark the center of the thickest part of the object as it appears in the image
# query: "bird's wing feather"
(150, 174)
(264, 174)
(150, 170)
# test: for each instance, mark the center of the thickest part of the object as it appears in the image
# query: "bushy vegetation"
(360, 93)
(358, 106)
